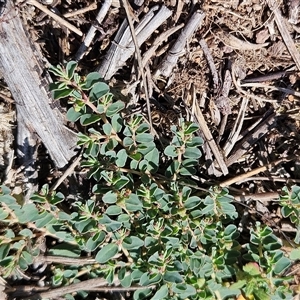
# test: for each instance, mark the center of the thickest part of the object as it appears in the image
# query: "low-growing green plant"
(290, 202)
(146, 223)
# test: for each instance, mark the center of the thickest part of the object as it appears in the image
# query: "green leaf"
(261, 294)
(27, 257)
(4, 249)
(98, 90)
(28, 213)
(10, 201)
(172, 169)
(101, 108)
(70, 68)
(192, 202)
(189, 162)
(53, 86)
(110, 224)
(184, 290)
(252, 269)
(192, 153)
(106, 253)
(113, 210)
(187, 171)
(127, 131)
(22, 263)
(57, 198)
(57, 71)
(282, 264)
(286, 211)
(126, 281)
(77, 78)
(128, 141)
(73, 115)
(88, 119)
(121, 158)
(295, 254)
(144, 138)
(266, 231)
(161, 293)
(132, 243)
(173, 277)
(107, 129)
(196, 141)
(3, 214)
(142, 128)
(191, 128)
(26, 232)
(95, 241)
(114, 108)
(147, 279)
(117, 123)
(45, 219)
(152, 159)
(91, 79)
(133, 203)
(9, 234)
(85, 225)
(121, 182)
(171, 151)
(230, 231)
(58, 94)
(109, 198)
(65, 249)
(142, 294)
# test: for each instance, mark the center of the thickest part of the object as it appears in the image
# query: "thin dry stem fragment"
(54, 16)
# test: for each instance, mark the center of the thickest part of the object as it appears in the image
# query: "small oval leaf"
(106, 253)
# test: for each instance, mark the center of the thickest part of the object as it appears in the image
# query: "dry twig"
(210, 140)
(177, 49)
(91, 34)
(280, 22)
(256, 171)
(54, 16)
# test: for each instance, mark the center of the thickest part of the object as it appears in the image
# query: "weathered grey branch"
(123, 47)
(92, 31)
(178, 50)
(24, 73)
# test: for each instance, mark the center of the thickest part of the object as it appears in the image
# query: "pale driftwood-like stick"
(256, 171)
(92, 31)
(53, 259)
(54, 16)
(210, 140)
(162, 37)
(83, 10)
(280, 22)
(254, 135)
(22, 68)
(123, 47)
(262, 197)
(178, 48)
(235, 43)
